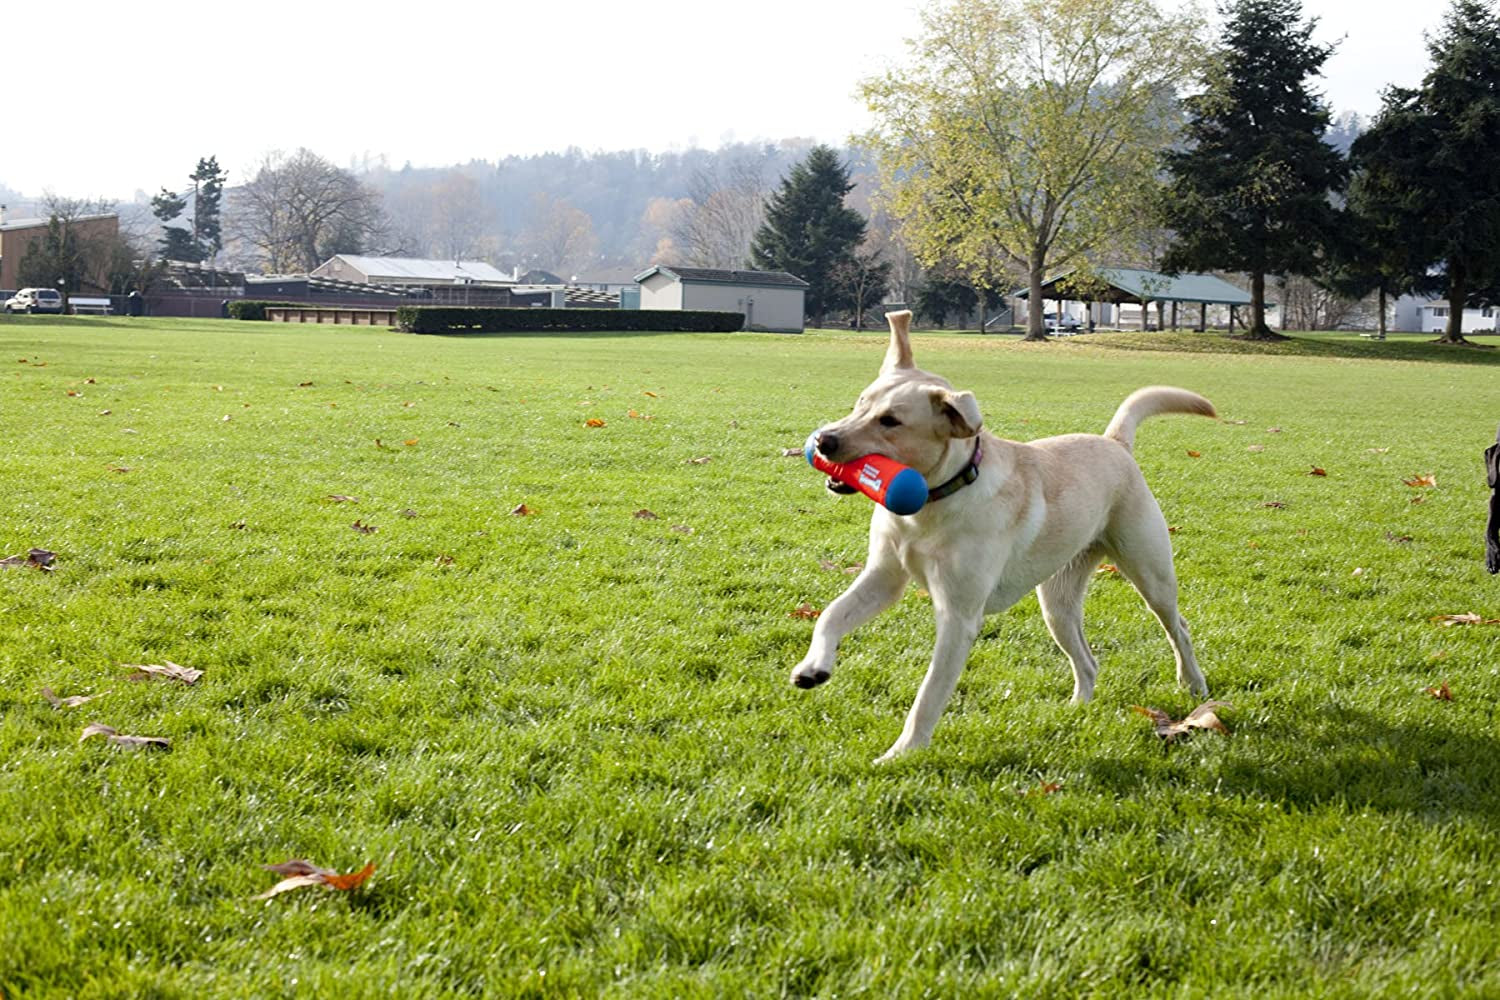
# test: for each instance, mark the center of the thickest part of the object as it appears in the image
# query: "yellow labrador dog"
(1002, 517)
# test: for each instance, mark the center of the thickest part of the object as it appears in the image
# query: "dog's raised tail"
(1149, 402)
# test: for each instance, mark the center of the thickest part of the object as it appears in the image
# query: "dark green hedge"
(481, 319)
(253, 308)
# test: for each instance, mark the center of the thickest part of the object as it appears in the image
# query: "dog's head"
(905, 414)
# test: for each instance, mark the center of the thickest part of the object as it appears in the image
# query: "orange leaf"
(1442, 692)
(353, 880)
(1194, 454)
(1427, 480)
(805, 610)
(1107, 568)
(1316, 471)
(410, 441)
(593, 422)
(304, 873)
(653, 395)
(521, 510)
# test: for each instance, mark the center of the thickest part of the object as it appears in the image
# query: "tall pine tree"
(1250, 192)
(176, 243)
(208, 193)
(1429, 168)
(810, 232)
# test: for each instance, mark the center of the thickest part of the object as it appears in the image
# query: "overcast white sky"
(120, 97)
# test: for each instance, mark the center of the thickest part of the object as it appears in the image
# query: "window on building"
(1440, 310)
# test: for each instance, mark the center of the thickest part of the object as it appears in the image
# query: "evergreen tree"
(208, 194)
(1250, 192)
(57, 260)
(810, 232)
(1428, 167)
(176, 242)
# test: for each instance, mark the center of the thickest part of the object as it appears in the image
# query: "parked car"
(1066, 326)
(35, 300)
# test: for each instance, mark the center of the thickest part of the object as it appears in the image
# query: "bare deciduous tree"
(299, 210)
(560, 236)
(724, 210)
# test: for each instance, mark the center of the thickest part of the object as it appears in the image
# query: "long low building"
(773, 301)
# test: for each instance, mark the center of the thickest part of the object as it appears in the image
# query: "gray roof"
(1130, 284)
(417, 269)
(10, 224)
(715, 276)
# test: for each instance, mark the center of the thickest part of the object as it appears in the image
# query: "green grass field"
(567, 740)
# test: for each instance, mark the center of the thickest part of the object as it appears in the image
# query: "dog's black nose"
(804, 681)
(827, 443)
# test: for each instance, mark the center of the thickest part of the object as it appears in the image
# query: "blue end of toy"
(907, 492)
(809, 447)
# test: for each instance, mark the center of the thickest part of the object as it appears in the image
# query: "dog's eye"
(889, 421)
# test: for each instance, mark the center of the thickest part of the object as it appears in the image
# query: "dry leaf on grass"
(593, 422)
(682, 529)
(1202, 717)
(704, 460)
(1465, 619)
(791, 453)
(168, 671)
(645, 515)
(1107, 568)
(363, 528)
(304, 873)
(805, 610)
(34, 559)
(653, 395)
(1442, 692)
(1419, 499)
(1318, 471)
(1041, 788)
(341, 498)
(124, 741)
(444, 561)
(410, 442)
(409, 512)
(1194, 454)
(521, 510)
(72, 701)
(1255, 447)
(1427, 480)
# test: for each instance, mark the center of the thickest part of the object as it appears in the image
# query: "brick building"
(17, 236)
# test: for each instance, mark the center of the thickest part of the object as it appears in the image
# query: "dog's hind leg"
(1061, 598)
(1143, 553)
(957, 628)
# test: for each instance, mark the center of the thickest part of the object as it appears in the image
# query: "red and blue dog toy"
(898, 488)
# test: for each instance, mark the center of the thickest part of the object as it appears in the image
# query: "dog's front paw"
(809, 674)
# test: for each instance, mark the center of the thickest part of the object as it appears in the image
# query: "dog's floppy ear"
(960, 409)
(898, 355)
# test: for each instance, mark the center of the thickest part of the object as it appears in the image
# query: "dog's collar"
(966, 475)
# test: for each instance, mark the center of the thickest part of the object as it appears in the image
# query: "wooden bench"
(79, 305)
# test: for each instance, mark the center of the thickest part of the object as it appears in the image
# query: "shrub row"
(482, 319)
(253, 308)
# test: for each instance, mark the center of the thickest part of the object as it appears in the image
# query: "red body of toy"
(896, 487)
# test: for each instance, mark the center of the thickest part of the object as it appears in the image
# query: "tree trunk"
(1458, 293)
(1258, 328)
(1380, 326)
(1035, 304)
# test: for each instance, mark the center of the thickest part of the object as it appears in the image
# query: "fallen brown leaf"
(682, 529)
(167, 671)
(1427, 480)
(304, 873)
(1465, 619)
(1397, 539)
(1255, 447)
(1318, 471)
(363, 528)
(1194, 454)
(791, 453)
(105, 413)
(34, 559)
(1107, 568)
(593, 422)
(409, 442)
(124, 741)
(1419, 499)
(701, 461)
(1173, 529)
(238, 525)
(1273, 430)
(645, 515)
(1442, 692)
(72, 701)
(1042, 788)
(444, 561)
(408, 512)
(303, 385)
(653, 395)
(1377, 451)
(805, 610)
(340, 498)
(521, 510)
(1202, 717)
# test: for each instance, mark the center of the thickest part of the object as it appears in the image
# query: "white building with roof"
(409, 271)
(773, 301)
